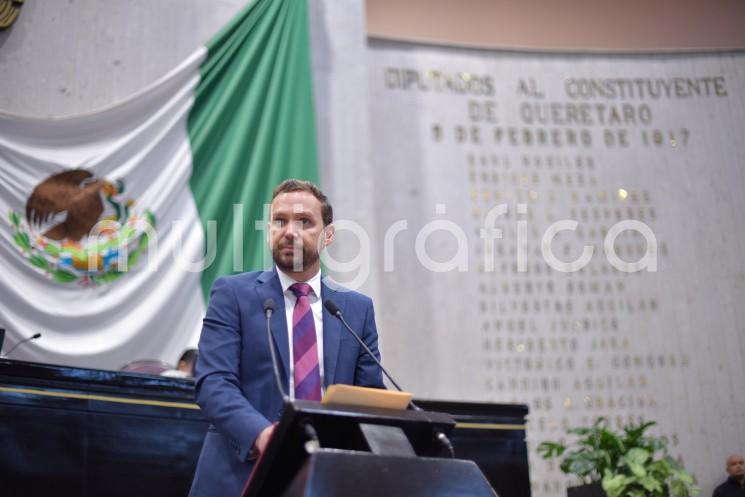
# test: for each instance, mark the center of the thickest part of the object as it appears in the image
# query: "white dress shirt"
(316, 306)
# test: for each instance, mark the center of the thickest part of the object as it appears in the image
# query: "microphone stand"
(335, 311)
(33, 337)
(268, 310)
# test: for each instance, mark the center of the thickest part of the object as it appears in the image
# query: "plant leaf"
(634, 459)
(549, 450)
(651, 484)
(614, 484)
(581, 464)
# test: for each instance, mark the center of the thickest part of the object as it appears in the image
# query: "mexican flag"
(115, 224)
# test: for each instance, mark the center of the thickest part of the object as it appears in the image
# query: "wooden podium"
(326, 450)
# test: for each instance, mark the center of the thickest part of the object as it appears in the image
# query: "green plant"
(627, 463)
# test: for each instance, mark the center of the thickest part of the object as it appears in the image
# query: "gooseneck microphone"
(334, 310)
(33, 337)
(331, 306)
(269, 308)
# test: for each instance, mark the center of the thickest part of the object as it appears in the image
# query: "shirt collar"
(286, 281)
(734, 481)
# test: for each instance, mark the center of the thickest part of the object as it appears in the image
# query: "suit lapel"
(269, 287)
(331, 333)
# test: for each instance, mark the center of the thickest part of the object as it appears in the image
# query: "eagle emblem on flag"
(79, 228)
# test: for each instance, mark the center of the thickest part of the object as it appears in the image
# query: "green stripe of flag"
(252, 123)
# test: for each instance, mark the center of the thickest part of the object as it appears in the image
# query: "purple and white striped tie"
(307, 374)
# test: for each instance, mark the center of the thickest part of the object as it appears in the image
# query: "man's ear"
(328, 234)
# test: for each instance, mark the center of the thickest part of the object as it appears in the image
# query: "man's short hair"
(189, 356)
(298, 185)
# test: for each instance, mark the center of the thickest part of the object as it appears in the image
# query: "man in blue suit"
(235, 385)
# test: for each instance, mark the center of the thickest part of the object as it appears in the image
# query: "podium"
(321, 450)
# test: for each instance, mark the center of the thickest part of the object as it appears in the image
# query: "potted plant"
(624, 463)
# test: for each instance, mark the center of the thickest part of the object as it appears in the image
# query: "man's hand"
(263, 438)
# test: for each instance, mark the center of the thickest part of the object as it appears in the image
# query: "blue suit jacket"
(235, 385)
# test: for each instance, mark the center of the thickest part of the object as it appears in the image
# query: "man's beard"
(296, 262)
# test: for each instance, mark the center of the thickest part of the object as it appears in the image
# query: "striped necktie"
(307, 376)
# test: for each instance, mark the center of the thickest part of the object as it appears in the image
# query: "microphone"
(269, 308)
(33, 337)
(334, 310)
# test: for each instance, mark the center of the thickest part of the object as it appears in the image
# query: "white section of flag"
(149, 313)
